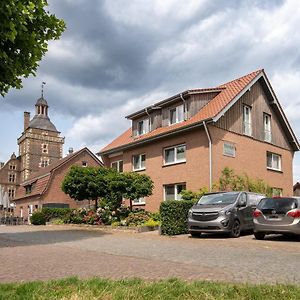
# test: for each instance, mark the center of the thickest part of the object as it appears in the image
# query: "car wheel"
(236, 229)
(195, 234)
(259, 235)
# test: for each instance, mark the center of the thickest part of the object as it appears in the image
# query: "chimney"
(26, 119)
(1, 165)
(71, 150)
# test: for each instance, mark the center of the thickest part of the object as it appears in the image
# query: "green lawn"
(75, 289)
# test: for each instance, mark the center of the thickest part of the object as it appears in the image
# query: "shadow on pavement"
(281, 238)
(44, 237)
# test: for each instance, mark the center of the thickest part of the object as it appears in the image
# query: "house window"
(45, 148)
(174, 155)
(11, 177)
(172, 191)
(247, 127)
(229, 149)
(267, 128)
(11, 193)
(117, 165)
(277, 192)
(176, 114)
(28, 188)
(138, 162)
(84, 164)
(273, 161)
(139, 201)
(12, 167)
(143, 126)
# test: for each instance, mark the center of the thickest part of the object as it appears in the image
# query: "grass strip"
(104, 289)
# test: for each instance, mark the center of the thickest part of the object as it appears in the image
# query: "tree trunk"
(96, 204)
(130, 204)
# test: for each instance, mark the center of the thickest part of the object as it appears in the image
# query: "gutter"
(210, 155)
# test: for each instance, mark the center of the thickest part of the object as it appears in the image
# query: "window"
(138, 162)
(276, 192)
(29, 188)
(176, 115)
(44, 148)
(143, 126)
(84, 164)
(247, 128)
(140, 201)
(44, 163)
(273, 161)
(12, 167)
(117, 165)
(267, 128)
(172, 191)
(11, 177)
(229, 149)
(174, 155)
(11, 193)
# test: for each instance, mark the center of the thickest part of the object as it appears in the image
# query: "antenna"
(43, 83)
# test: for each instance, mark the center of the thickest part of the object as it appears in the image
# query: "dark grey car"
(277, 215)
(228, 212)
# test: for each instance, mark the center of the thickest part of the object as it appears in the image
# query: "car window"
(254, 199)
(220, 198)
(243, 199)
(280, 205)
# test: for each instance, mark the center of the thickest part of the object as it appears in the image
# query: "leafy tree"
(193, 196)
(25, 29)
(86, 183)
(137, 186)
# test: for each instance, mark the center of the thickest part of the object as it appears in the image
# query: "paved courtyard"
(48, 252)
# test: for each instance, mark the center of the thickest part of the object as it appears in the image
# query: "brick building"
(43, 188)
(40, 144)
(185, 141)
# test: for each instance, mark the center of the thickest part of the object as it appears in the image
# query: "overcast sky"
(116, 57)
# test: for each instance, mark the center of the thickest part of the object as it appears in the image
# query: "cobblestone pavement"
(48, 252)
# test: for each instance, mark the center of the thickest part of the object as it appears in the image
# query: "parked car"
(277, 215)
(228, 212)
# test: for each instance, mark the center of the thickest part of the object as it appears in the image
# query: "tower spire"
(42, 92)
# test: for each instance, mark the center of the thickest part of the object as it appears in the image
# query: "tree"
(136, 186)
(25, 29)
(86, 183)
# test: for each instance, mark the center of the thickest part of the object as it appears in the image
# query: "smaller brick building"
(43, 188)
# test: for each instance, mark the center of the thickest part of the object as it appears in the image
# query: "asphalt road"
(49, 252)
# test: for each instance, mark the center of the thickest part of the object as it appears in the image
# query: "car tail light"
(295, 213)
(257, 213)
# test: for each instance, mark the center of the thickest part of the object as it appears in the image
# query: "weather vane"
(43, 83)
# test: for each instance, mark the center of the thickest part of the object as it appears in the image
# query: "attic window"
(143, 126)
(29, 188)
(84, 164)
(176, 114)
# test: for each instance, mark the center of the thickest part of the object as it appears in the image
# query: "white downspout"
(210, 155)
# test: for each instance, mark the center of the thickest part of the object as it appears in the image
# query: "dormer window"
(267, 128)
(176, 114)
(143, 126)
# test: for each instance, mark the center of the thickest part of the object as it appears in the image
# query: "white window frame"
(267, 128)
(176, 160)
(272, 161)
(247, 124)
(139, 201)
(275, 191)
(140, 168)
(177, 114)
(145, 126)
(118, 165)
(44, 162)
(226, 151)
(45, 148)
(177, 195)
(11, 177)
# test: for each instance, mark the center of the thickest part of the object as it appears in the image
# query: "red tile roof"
(228, 92)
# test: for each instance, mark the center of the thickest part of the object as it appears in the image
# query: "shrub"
(92, 218)
(173, 216)
(137, 217)
(38, 218)
(151, 223)
(55, 213)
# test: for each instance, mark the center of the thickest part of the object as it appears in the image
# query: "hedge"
(55, 213)
(174, 215)
(38, 218)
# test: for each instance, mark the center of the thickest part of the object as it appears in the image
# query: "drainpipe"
(184, 107)
(210, 155)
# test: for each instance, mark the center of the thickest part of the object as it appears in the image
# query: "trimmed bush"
(38, 218)
(55, 213)
(174, 215)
